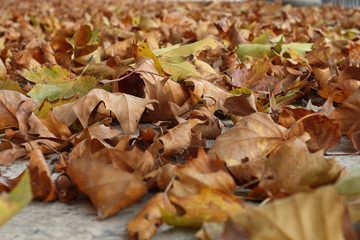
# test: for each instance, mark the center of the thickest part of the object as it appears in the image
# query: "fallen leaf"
(292, 168)
(19, 197)
(110, 189)
(272, 220)
(41, 183)
(127, 108)
(148, 220)
(252, 138)
(208, 205)
(347, 114)
(55, 82)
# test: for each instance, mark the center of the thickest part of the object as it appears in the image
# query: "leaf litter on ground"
(79, 84)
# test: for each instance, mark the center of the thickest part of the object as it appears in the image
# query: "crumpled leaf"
(255, 78)
(320, 215)
(20, 196)
(110, 189)
(348, 113)
(200, 171)
(148, 220)
(179, 136)
(208, 205)
(292, 168)
(252, 138)
(41, 183)
(127, 108)
(9, 102)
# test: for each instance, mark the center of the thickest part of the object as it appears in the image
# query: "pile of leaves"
(78, 77)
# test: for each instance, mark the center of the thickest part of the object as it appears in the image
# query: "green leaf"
(253, 50)
(193, 48)
(262, 39)
(349, 185)
(259, 50)
(300, 48)
(20, 196)
(55, 82)
(179, 71)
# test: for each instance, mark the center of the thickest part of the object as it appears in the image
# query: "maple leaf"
(127, 108)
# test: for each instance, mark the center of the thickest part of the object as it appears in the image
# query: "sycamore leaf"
(55, 82)
(256, 77)
(127, 108)
(252, 138)
(143, 49)
(20, 196)
(319, 215)
(148, 220)
(179, 70)
(47, 105)
(192, 48)
(208, 205)
(8, 84)
(41, 183)
(200, 171)
(179, 136)
(9, 103)
(110, 189)
(292, 168)
(348, 113)
(259, 50)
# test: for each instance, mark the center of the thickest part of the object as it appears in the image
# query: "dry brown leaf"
(208, 205)
(127, 109)
(292, 168)
(110, 189)
(348, 113)
(41, 183)
(319, 215)
(146, 223)
(179, 136)
(201, 171)
(252, 138)
(9, 102)
(324, 133)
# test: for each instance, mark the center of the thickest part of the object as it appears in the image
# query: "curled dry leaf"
(252, 138)
(41, 183)
(324, 134)
(208, 205)
(348, 113)
(110, 189)
(127, 108)
(179, 136)
(9, 102)
(201, 171)
(213, 95)
(146, 223)
(292, 168)
(272, 221)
